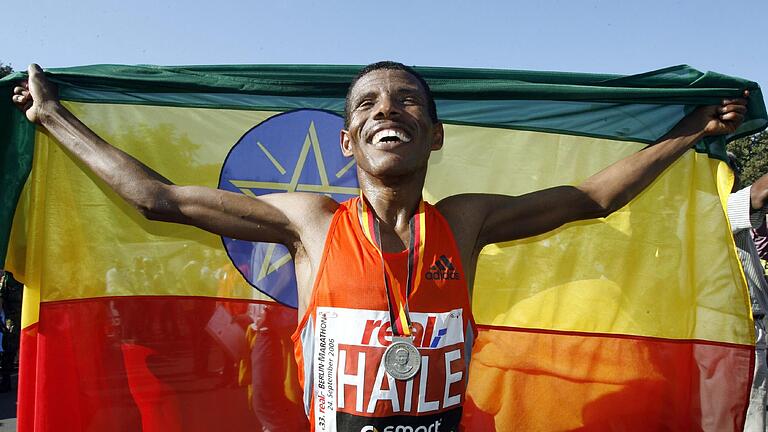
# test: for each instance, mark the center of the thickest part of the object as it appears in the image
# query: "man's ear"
(437, 136)
(346, 143)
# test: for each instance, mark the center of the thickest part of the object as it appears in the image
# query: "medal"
(401, 358)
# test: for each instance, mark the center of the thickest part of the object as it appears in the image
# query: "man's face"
(390, 132)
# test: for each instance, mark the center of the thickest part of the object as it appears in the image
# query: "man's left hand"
(721, 119)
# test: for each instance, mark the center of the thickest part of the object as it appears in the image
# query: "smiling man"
(384, 279)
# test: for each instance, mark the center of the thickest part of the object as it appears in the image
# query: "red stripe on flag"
(559, 381)
(149, 363)
(27, 379)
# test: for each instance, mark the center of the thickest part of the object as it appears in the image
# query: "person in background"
(746, 211)
(760, 237)
(11, 293)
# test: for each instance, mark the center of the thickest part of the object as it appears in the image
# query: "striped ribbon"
(396, 298)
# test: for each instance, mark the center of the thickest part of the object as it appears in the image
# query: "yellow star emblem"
(311, 142)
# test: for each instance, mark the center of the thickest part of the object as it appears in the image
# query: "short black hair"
(390, 65)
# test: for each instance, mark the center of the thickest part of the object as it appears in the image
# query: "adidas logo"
(442, 269)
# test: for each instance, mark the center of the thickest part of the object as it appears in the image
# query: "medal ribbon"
(397, 300)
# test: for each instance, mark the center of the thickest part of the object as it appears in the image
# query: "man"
(359, 264)
(746, 211)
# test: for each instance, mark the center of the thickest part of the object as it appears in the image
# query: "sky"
(623, 37)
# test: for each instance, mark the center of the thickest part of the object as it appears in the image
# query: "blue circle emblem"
(296, 151)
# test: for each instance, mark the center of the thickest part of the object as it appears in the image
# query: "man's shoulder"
(308, 203)
(464, 213)
(466, 204)
(459, 200)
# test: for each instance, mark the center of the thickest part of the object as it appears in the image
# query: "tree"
(752, 153)
(5, 69)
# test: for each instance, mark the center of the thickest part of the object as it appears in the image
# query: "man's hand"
(35, 95)
(719, 119)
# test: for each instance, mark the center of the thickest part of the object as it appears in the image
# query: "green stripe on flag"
(17, 137)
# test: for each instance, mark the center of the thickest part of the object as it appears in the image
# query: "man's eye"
(365, 104)
(410, 101)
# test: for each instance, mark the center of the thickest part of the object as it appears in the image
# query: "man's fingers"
(732, 108)
(36, 77)
(18, 91)
(732, 117)
(34, 70)
(23, 96)
(737, 101)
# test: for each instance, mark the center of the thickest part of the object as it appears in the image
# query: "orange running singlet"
(341, 339)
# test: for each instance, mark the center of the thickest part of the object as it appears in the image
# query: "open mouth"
(390, 136)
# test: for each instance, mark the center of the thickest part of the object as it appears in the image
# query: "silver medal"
(401, 359)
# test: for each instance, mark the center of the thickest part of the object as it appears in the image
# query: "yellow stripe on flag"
(105, 242)
(663, 266)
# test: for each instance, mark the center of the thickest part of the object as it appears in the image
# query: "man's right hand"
(35, 95)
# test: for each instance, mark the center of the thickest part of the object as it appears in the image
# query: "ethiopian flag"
(638, 321)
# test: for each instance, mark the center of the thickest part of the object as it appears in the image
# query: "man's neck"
(394, 201)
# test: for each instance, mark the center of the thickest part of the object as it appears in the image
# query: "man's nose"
(387, 108)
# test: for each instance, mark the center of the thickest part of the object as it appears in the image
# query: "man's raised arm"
(276, 218)
(496, 218)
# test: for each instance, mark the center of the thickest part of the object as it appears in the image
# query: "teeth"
(391, 133)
